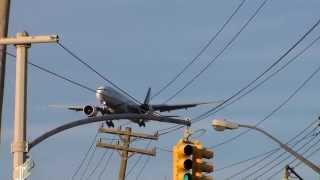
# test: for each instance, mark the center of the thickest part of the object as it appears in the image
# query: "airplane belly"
(117, 106)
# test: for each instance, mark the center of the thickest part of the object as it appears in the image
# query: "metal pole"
(285, 147)
(124, 154)
(4, 21)
(130, 116)
(19, 147)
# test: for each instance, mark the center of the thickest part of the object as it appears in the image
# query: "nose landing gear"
(110, 123)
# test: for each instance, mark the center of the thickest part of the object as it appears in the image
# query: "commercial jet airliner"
(112, 101)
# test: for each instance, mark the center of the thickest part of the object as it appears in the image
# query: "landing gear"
(141, 123)
(110, 123)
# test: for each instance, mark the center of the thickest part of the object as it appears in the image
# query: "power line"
(74, 83)
(281, 161)
(296, 159)
(246, 160)
(85, 156)
(275, 110)
(88, 163)
(208, 113)
(99, 162)
(282, 154)
(57, 75)
(138, 160)
(270, 76)
(176, 127)
(312, 153)
(220, 53)
(95, 71)
(164, 149)
(105, 165)
(269, 155)
(207, 45)
(263, 73)
(143, 167)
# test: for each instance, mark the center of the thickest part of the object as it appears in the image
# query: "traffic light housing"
(182, 160)
(200, 166)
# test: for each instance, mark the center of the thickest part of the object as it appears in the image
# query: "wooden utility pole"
(125, 149)
(19, 146)
(288, 171)
(4, 21)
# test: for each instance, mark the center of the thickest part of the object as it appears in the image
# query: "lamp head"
(222, 124)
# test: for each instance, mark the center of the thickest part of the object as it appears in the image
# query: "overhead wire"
(211, 111)
(85, 156)
(200, 117)
(105, 165)
(138, 160)
(96, 72)
(277, 158)
(220, 52)
(286, 158)
(86, 168)
(143, 167)
(300, 162)
(205, 47)
(246, 160)
(197, 119)
(276, 109)
(74, 83)
(99, 162)
(255, 164)
(173, 128)
(270, 76)
(311, 154)
(57, 75)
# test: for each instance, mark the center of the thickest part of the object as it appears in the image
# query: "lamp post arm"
(285, 147)
(130, 116)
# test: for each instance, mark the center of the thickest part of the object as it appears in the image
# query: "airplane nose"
(99, 94)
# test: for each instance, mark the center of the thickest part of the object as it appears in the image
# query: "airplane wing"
(73, 108)
(165, 107)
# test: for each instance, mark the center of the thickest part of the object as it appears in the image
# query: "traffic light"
(200, 166)
(182, 160)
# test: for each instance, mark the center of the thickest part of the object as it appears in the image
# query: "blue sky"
(140, 44)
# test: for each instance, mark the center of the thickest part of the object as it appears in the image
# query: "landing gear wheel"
(110, 123)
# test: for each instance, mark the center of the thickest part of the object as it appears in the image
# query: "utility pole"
(4, 21)
(19, 146)
(288, 171)
(125, 137)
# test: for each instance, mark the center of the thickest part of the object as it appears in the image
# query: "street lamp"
(221, 125)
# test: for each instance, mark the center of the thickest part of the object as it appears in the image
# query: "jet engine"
(90, 111)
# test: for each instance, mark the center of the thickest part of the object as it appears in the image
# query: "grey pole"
(285, 147)
(19, 144)
(4, 21)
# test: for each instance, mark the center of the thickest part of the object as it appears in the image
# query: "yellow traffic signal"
(200, 166)
(182, 160)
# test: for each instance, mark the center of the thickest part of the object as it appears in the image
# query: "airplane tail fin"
(147, 99)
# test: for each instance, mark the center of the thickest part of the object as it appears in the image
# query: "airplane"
(113, 102)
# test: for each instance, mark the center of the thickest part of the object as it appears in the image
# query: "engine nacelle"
(90, 111)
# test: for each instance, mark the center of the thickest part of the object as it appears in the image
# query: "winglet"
(147, 99)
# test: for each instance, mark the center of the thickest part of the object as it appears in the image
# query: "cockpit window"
(101, 88)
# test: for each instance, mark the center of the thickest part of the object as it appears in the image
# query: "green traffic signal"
(187, 176)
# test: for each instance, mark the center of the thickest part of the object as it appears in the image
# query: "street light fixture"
(222, 124)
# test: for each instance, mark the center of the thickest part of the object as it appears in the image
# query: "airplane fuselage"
(115, 101)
